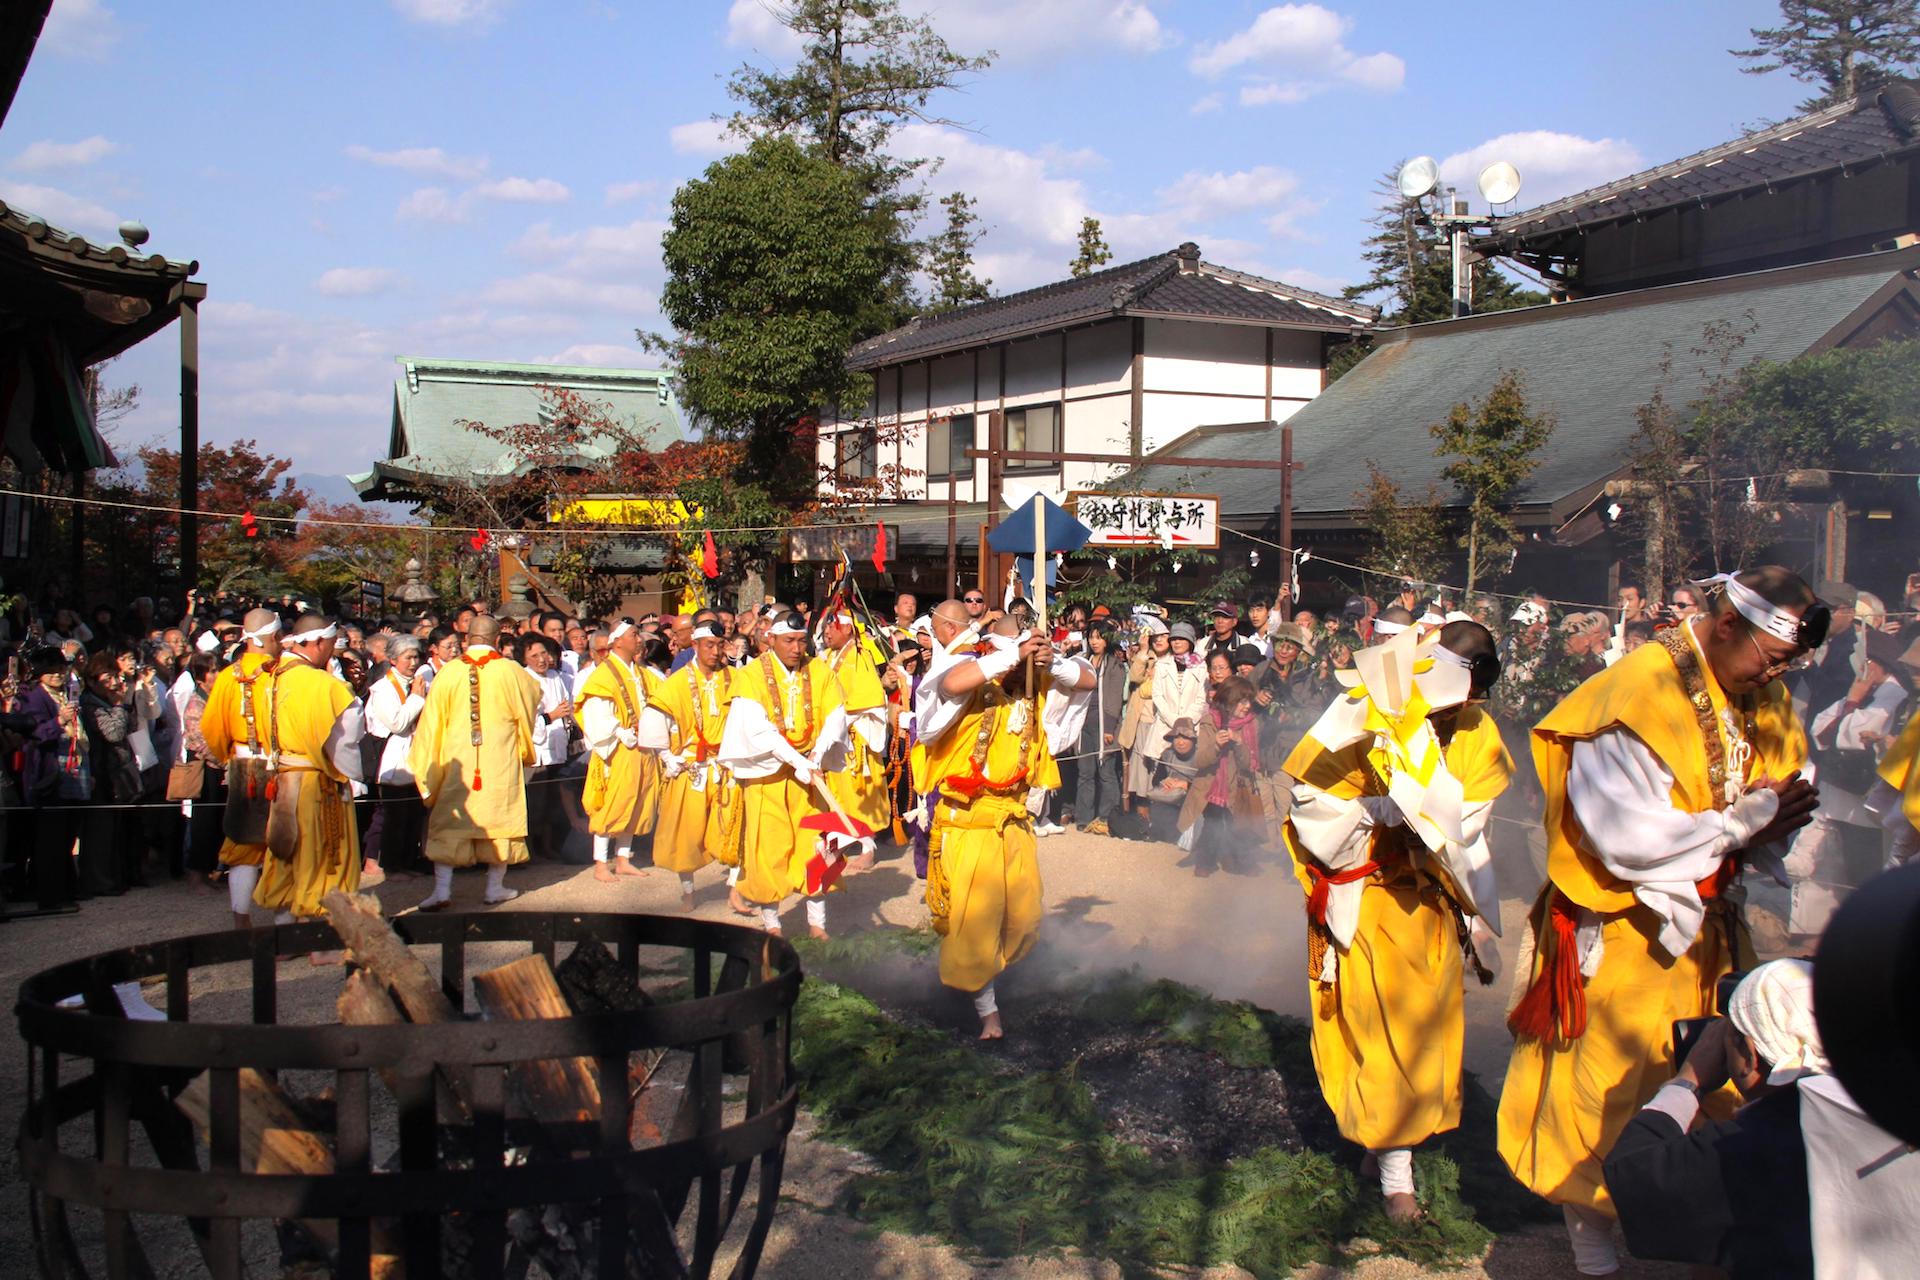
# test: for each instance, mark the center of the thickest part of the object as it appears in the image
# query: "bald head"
(261, 629)
(312, 637)
(949, 620)
(484, 629)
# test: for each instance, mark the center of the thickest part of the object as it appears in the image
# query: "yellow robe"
(468, 826)
(1897, 770)
(224, 725)
(1388, 1032)
(775, 850)
(983, 870)
(701, 815)
(622, 795)
(861, 784)
(307, 703)
(1564, 1105)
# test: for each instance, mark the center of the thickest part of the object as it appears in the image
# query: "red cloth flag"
(479, 540)
(248, 526)
(880, 547)
(710, 557)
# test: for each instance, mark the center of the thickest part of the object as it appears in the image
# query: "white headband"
(619, 630)
(1443, 654)
(789, 625)
(1755, 608)
(706, 631)
(1381, 628)
(327, 632)
(266, 630)
(207, 642)
(1431, 619)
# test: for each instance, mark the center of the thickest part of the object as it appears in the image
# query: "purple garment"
(44, 758)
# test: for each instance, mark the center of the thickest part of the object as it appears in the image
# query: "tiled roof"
(50, 243)
(433, 400)
(1156, 286)
(1591, 364)
(1851, 135)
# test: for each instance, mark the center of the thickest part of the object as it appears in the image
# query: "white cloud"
(1297, 50)
(432, 204)
(613, 269)
(1015, 30)
(355, 282)
(524, 190)
(603, 354)
(60, 208)
(450, 13)
(423, 162)
(1308, 278)
(704, 138)
(1551, 164)
(80, 28)
(1210, 103)
(622, 192)
(636, 242)
(63, 155)
(552, 289)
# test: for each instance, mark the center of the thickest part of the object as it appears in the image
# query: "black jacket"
(1732, 1194)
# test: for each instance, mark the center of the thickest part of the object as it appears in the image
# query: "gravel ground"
(1111, 904)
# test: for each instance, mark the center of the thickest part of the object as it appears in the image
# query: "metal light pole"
(1499, 183)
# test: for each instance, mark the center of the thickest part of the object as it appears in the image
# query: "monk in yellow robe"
(861, 783)
(313, 739)
(235, 725)
(1664, 776)
(624, 734)
(785, 721)
(1896, 796)
(472, 747)
(1396, 783)
(701, 815)
(982, 746)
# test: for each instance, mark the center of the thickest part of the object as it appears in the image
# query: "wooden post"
(1286, 494)
(189, 443)
(953, 533)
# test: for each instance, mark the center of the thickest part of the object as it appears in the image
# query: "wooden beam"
(1042, 455)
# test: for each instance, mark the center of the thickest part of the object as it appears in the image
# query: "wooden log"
(376, 948)
(275, 1138)
(556, 1090)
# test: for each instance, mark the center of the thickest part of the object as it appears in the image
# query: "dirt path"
(1111, 904)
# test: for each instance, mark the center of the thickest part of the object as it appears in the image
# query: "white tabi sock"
(601, 844)
(1396, 1171)
(496, 877)
(442, 884)
(770, 919)
(240, 882)
(983, 1002)
(733, 876)
(817, 913)
(686, 883)
(283, 917)
(1591, 1233)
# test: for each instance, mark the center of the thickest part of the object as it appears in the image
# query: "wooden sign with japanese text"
(1190, 520)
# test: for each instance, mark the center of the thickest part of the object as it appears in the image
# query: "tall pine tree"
(950, 258)
(1093, 251)
(1847, 47)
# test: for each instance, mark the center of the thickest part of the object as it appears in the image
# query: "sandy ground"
(1111, 904)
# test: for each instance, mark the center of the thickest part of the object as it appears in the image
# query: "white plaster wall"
(1296, 366)
(1033, 370)
(1187, 355)
(1171, 416)
(1100, 358)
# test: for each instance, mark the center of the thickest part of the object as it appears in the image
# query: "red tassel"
(273, 789)
(476, 779)
(1557, 1000)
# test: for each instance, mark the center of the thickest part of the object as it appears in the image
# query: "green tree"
(864, 71)
(1093, 252)
(774, 261)
(950, 258)
(1492, 448)
(1410, 536)
(1847, 47)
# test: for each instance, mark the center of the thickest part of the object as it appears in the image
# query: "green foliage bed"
(1013, 1164)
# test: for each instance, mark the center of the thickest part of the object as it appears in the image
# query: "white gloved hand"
(803, 773)
(1486, 946)
(671, 764)
(1383, 810)
(999, 662)
(626, 737)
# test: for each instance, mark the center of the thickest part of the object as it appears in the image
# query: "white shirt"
(392, 711)
(1871, 716)
(600, 719)
(550, 738)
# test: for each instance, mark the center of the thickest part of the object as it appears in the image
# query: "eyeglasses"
(975, 600)
(1775, 667)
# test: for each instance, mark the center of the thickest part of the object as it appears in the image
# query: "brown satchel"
(184, 781)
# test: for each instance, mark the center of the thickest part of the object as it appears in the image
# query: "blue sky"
(490, 178)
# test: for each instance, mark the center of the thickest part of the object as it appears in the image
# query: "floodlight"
(1499, 182)
(1419, 176)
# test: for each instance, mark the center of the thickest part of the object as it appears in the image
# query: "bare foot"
(815, 931)
(859, 863)
(625, 867)
(686, 903)
(741, 907)
(990, 1028)
(601, 871)
(1402, 1207)
(322, 959)
(371, 874)
(773, 933)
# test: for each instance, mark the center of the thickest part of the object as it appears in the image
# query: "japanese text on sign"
(1146, 519)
